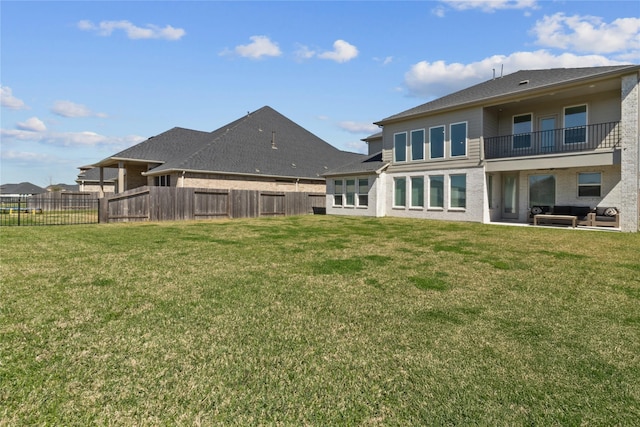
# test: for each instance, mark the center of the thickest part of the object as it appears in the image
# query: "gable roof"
(519, 83)
(369, 165)
(21, 188)
(263, 143)
(93, 175)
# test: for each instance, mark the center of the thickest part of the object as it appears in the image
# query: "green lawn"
(318, 320)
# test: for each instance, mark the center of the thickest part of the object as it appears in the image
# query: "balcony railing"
(581, 138)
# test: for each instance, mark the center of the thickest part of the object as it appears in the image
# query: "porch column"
(101, 192)
(629, 167)
(121, 177)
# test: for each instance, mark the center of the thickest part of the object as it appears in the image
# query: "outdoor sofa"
(575, 215)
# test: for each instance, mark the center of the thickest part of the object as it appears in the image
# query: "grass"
(318, 320)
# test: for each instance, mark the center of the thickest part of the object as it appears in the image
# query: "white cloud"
(259, 47)
(69, 139)
(588, 33)
(304, 52)
(71, 109)
(8, 100)
(33, 124)
(357, 147)
(106, 28)
(26, 156)
(487, 5)
(434, 79)
(359, 127)
(385, 61)
(342, 52)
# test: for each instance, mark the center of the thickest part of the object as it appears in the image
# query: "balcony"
(556, 141)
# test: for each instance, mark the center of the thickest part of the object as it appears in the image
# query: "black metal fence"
(58, 208)
(582, 138)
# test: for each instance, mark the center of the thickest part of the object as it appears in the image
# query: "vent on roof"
(273, 140)
(523, 82)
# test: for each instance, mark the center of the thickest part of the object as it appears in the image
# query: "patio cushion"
(610, 212)
(562, 210)
(580, 211)
(536, 210)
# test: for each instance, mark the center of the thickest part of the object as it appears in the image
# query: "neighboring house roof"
(92, 174)
(62, 187)
(22, 188)
(519, 83)
(264, 143)
(369, 165)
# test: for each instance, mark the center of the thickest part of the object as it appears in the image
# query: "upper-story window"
(436, 142)
(417, 144)
(458, 135)
(522, 128)
(575, 124)
(400, 147)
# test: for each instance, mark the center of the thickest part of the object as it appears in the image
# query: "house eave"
(213, 172)
(514, 96)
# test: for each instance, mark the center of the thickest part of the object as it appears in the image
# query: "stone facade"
(630, 161)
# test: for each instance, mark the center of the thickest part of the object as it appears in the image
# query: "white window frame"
(430, 179)
(444, 141)
(599, 185)
(586, 124)
(411, 199)
(338, 194)
(395, 188)
(457, 208)
(395, 147)
(411, 143)
(466, 138)
(514, 134)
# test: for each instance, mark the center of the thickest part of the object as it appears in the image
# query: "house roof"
(519, 83)
(22, 188)
(92, 174)
(263, 142)
(369, 165)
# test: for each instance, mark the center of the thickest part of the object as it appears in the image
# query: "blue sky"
(83, 80)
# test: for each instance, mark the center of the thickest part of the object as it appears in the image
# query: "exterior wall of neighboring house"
(94, 187)
(239, 182)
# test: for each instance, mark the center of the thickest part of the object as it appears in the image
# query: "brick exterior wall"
(630, 169)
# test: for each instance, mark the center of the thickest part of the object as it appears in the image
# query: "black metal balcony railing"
(582, 138)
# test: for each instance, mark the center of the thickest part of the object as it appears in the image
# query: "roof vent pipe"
(273, 140)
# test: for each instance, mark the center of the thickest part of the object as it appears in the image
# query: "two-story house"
(494, 151)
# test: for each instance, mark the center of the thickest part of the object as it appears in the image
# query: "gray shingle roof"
(93, 175)
(261, 143)
(21, 188)
(509, 85)
(368, 165)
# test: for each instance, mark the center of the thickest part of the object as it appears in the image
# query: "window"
(436, 142)
(400, 147)
(363, 191)
(542, 190)
(436, 191)
(417, 144)
(162, 181)
(400, 192)
(589, 184)
(417, 191)
(490, 190)
(351, 192)
(458, 191)
(575, 124)
(337, 192)
(522, 131)
(459, 139)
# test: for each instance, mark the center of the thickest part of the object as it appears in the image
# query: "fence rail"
(175, 203)
(64, 208)
(582, 138)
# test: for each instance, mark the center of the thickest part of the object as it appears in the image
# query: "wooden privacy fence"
(175, 203)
